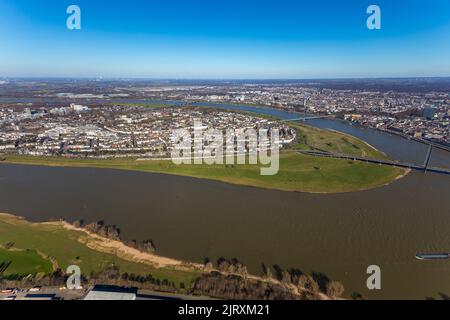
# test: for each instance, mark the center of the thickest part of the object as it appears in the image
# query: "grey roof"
(105, 295)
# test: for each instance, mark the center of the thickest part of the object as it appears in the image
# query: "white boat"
(433, 256)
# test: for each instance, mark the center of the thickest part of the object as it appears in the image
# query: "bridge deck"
(376, 161)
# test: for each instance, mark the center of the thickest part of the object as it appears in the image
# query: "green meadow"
(14, 261)
(40, 248)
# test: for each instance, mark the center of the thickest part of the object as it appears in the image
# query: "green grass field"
(310, 138)
(23, 262)
(63, 245)
(298, 172)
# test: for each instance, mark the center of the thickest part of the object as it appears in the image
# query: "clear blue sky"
(225, 39)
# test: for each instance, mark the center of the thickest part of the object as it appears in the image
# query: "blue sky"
(225, 39)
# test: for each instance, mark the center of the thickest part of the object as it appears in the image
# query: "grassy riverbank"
(31, 252)
(34, 248)
(23, 261)
(298, 172)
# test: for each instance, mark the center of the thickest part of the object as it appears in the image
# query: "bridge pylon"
(428, 157)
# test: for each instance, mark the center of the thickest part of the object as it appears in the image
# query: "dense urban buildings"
(419, 111)
(114, 131)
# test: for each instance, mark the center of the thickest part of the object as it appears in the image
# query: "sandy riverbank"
(121, 250)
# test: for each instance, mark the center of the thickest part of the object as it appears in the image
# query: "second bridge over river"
(423, 168)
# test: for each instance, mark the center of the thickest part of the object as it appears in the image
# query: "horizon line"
(221, 79)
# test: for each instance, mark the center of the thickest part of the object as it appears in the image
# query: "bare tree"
(308, 283)
(335, 289)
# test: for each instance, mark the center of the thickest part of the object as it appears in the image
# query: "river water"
(339, 235)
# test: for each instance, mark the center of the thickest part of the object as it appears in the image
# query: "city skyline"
(287, 40)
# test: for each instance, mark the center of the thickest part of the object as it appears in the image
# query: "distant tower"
(429, 113)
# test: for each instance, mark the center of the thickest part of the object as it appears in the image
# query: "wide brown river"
(339, 235)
